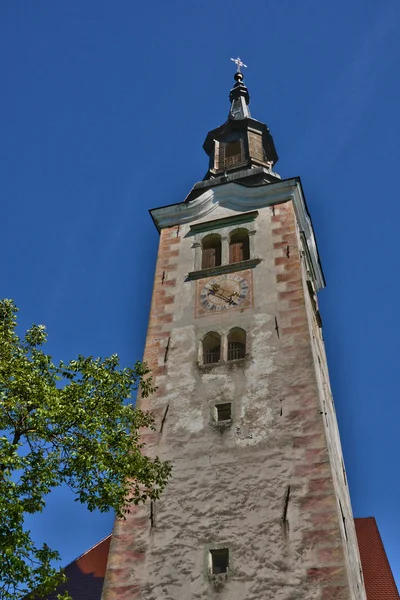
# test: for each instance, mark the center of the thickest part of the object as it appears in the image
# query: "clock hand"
(218, 291)
(229, 299)
(228, 296)
(218, 295)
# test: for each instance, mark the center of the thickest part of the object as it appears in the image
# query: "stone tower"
(258, 506)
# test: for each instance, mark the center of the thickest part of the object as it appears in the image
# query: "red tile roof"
(86, 574)
(378, 577)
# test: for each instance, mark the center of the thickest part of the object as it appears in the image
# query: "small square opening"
(223, 411)
(219, 561)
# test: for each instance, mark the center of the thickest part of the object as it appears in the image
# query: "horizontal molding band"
(221, 269)
(218, 223)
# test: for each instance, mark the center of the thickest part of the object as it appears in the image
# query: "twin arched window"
(239, 248)
(236, 347)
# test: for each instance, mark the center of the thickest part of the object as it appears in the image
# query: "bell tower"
(257, 507)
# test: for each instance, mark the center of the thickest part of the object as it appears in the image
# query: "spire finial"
(239, 64)
(239, 96)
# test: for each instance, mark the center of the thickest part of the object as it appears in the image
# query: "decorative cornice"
(306, 228)
(247, 217)
(242, 198)
(231, 195)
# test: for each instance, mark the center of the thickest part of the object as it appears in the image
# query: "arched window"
(236, 344)
(229, 154)
(211, 251)
(239, 248)
(211, 348)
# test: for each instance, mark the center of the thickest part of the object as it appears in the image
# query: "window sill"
(223, 363)
(206, 366)
(235, 361)
(222, 424)
(221, 269)
(218, 580)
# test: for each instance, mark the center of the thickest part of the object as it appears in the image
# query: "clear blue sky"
(104, 109)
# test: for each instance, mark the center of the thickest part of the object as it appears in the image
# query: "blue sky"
(104, 109)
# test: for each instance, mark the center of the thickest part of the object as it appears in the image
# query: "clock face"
(224, 292)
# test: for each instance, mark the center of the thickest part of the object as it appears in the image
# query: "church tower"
(257, 507)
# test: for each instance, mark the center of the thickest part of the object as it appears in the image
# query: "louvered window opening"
(236, 350)
(239, 250)
(212, 356)
(211, 257)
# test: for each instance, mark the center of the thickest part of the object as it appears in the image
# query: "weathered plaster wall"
(230, 487)
(334, 446)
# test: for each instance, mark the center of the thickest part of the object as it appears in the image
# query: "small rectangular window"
(219, 561)
(223, 412)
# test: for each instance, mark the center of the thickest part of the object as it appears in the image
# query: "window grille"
(211, 348)
(212, 356)
(236, 350)
(236, 344)
(230, 161)
(231, 154)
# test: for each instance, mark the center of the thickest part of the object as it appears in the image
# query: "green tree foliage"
(68, 424)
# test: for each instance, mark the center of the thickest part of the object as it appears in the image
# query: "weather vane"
(238, 63)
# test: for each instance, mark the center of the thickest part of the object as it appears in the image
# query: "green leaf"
(67, 423)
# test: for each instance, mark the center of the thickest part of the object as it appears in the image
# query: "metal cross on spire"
(238, 63)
